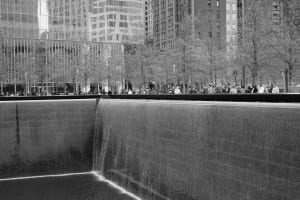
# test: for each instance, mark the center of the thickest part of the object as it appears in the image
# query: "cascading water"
(199, 150)
(120, 157)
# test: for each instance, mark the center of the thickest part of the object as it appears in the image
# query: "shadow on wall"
(46, 137)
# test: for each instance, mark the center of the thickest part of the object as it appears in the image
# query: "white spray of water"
(112, 184)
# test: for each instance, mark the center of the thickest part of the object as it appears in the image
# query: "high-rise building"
(117, 21)
(20, 18)
(148, 19)
(163, 23)
(167, 15)
(231, 27)
(212, 18)
(55, 19)
(272, 11)
(68, 19)
(48, 42)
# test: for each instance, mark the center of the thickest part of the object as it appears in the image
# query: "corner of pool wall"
(122, 190)
(44, 137)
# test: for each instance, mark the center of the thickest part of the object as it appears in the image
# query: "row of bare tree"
(263, 52)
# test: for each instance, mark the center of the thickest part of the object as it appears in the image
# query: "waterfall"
(118, 154)
(187, 150)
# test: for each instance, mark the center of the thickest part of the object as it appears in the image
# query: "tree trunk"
(243, 76)
(254, 75)
(286, 78)
(184, 70)
(290, 74)
(1, 86)
(215, 69)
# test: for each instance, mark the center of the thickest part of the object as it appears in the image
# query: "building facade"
(68, 20)
(20, 18)
(117, 21)
(168, 14)
(231, 27)
(163, 23)
(56, 19)
(46, 43)
(148, 19)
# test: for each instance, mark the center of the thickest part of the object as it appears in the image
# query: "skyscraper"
(48, 42)
(148, 19)
(19, 18)
(168, 15)
(117, 21)
(231, 27)
(163, 23)
(68, 19)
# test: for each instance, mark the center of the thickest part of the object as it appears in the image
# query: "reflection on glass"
(45, 42)
(83, 20)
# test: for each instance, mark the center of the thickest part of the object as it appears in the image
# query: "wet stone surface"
(78, 187)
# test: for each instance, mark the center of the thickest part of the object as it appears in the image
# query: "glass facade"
(231, 27)
(47, 43)
(43, 19)
(117, 21)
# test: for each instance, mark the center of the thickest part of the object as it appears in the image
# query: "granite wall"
(200, 150)
(46, 137)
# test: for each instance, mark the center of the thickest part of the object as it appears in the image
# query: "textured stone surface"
(200, 150)
(46, 137)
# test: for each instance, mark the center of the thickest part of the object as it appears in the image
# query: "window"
(234, 7)
(227, 6)
(111, 16)
(111, 23)
(124, 24)
(109, 37)
(123, 17)
(101, 25)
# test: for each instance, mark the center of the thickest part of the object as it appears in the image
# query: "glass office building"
(49, 44)
(43, 19)
(117, 21)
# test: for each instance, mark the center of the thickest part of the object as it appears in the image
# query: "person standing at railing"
(275, 89)
(177, 90)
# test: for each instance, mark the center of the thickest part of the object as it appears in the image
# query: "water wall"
(46, 137)
(200, 150)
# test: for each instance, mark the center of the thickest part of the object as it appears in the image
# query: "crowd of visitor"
(211, 89)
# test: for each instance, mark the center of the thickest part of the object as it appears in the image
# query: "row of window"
(117, 9)
(34, 33)
(231, 6)
(121, 24)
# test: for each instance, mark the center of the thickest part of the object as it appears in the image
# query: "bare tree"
(138, 62)
(286, 41)
(183, 49)
(40, 61)
(256, 42)
(3, 69)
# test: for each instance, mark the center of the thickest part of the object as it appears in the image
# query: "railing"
(274, 98)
